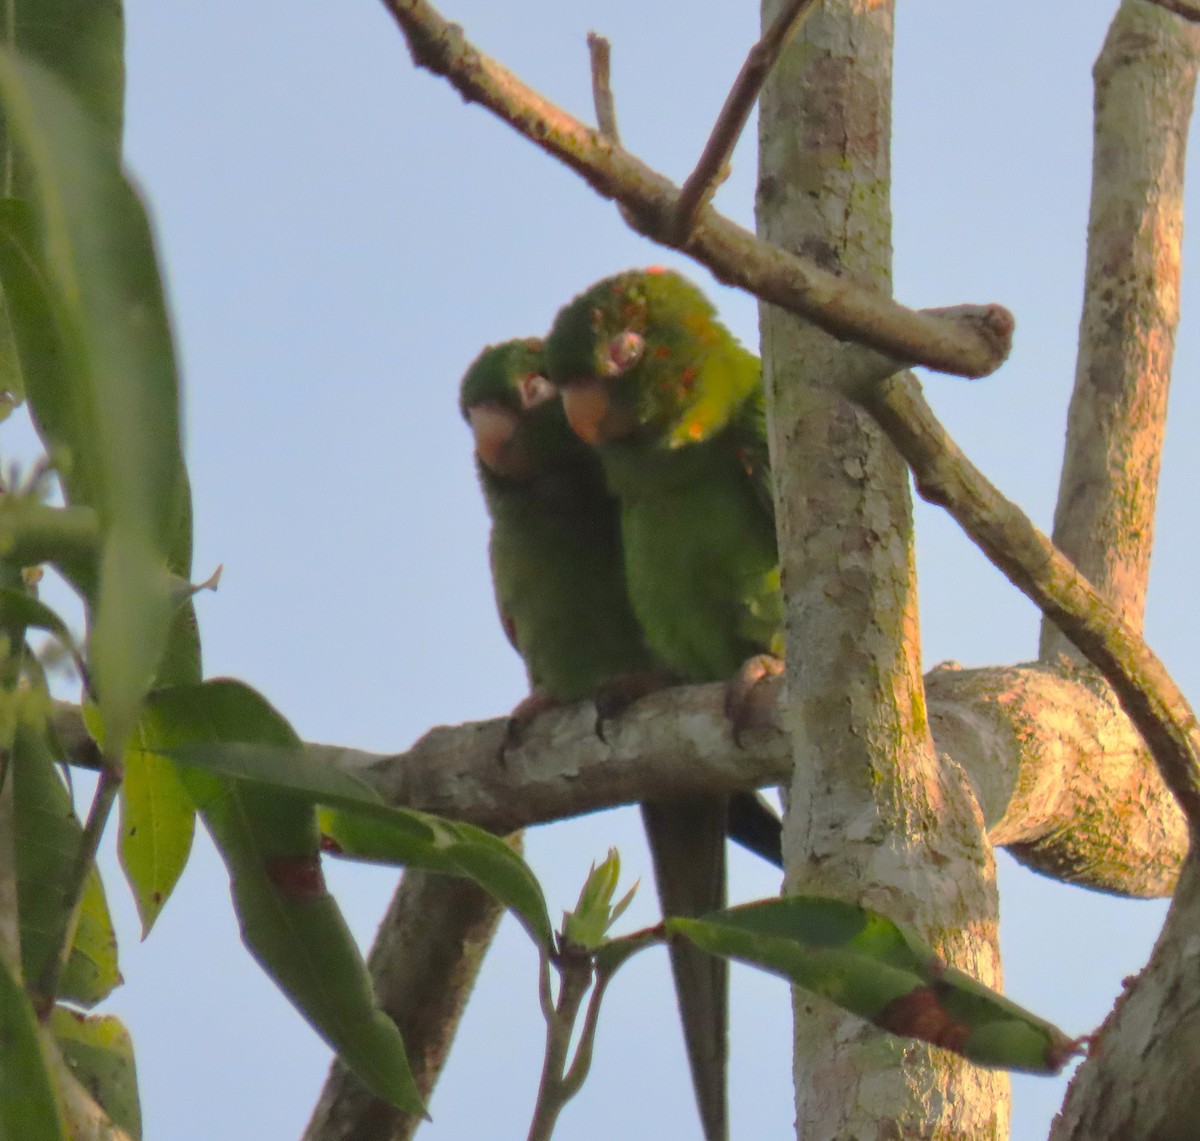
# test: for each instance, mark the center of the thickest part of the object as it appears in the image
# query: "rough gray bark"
(875, 816)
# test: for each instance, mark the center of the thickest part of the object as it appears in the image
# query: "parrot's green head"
(642, 356)
(514, 412)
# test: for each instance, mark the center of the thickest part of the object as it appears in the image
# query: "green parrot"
(555, 545)
(674, 406)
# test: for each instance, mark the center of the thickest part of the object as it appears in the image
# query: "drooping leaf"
(271, 846)
(29, 1107)
(883, 972)
(157, 824)
(82, 263)
(47, 837)
(97, 1049)
(405, 838)
(82, 42)
(360, 826)
(18, 609)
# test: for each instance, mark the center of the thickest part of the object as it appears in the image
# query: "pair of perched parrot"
(624, 464)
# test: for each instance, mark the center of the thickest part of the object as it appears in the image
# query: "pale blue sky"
(341, 234)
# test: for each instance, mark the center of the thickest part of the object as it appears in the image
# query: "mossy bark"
(874, 815)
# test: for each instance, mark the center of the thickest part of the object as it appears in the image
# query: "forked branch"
(733, 254)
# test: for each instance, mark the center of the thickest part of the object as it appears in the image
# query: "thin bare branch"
(602, 96)
(840, 306)
(945, 476)
(46, 987)
(712, 168)
(600, 53)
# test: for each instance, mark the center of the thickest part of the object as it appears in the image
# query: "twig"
(712, 168)
(575, 968)
(89, 842)
(945, 476)
(611, 957)
(600, 53)
(602, 96)
(837, 305)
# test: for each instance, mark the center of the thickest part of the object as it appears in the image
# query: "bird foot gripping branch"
(753, 694)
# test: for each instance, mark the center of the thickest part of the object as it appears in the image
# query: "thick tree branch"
(734, 255)
(1139, 1079)
(1036, 744)
(1145, 78)
(1064, 781)
(945, 476)
(427, 952)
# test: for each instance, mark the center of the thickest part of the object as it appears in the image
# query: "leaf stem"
(575, 967)
(109, 785)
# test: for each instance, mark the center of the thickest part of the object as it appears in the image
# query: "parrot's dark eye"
(534, 390)
(622, 353)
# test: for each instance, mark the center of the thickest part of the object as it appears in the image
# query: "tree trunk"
(875, 816)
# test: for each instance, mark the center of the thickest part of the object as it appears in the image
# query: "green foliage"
(157, 824)
(595, 913)
(85, 299)
(270, 842)
(882, 972)
(355, 822)
(47, 835)
(97, 1049)
(29, 1106)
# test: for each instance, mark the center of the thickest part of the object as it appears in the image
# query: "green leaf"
(588, 925)
(885, 973)
(47, 836)
(32, 533)
(29, 1107)
(98, 1051)
(271, 846)
(82, 42)
(19, 610)
(360, 825)
(107, 405)
(492, 864)
(157, 824)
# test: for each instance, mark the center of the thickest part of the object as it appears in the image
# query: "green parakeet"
(674, 406)
(555, 546)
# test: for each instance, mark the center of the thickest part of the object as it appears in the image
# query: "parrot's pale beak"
(592, 413)
(497, 444)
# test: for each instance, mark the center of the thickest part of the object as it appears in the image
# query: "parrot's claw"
(619, 693)
(526, 712)
(750, 697)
